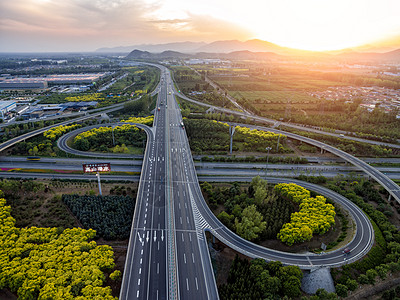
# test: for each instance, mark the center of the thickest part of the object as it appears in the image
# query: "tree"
(251, 224)
(82, 144)
(291, 287)
(351, 284)
(363, 279)
(341, 290)
(371, 274)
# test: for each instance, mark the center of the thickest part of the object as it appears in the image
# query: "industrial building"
(42, 83)
(6, 107)
(23, 84)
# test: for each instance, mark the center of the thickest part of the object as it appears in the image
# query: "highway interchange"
(168, 256)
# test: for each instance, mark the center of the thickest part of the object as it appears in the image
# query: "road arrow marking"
(140, 239)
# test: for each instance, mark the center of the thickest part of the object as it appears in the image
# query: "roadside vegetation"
(212, 137)
(39, 211)
(111, 139)
(52, 262)
(110, 215)
(284, 212)
(257, 279)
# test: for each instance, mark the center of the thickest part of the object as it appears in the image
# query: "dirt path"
(369, 291)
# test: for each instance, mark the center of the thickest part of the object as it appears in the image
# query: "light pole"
(231, 132)
(112, 130)
(266, 166)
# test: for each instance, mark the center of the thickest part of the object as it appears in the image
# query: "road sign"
(94, 168)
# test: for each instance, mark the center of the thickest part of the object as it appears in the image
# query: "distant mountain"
(239, 55)
(393, 56)
(185, 47)
(350, 56)
(138, 54)
(250, 45)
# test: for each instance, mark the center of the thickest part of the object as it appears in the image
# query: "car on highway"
(347, 251)
(158, 108)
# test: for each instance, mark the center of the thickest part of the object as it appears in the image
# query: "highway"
(381, 178)
(166, 258)
(202, 168)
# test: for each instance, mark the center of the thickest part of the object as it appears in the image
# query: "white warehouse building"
(6, 106)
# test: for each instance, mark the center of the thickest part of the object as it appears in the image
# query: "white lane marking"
(190, 236)
(158, 245)
(158, 268)
(182, 238)
(140, 261)
(141, 252)
(180, 219)
(140, 270)
(137, 294)
(187, 219)
(138, 282)
(197, 286)
(193, 257)
(187, 284)
(179, 205)
(184, 257)
(185, 205)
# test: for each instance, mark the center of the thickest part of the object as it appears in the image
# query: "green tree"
(291, 287)
(371, 274)
(341, 290)
(251, 225)
(351, 284)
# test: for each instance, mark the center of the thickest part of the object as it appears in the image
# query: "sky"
(85, 25)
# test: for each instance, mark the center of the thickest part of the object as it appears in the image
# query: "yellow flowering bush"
(58, 131)
(315, 215)
(49, 263)
(86, 98)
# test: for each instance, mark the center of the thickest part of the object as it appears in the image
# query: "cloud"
(73, 25)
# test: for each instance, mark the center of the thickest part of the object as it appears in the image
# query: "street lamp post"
(266, 166)
(112, 130)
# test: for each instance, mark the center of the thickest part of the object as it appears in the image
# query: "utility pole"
(277, 145)
(266, 166)
(112, 130)
(231, 133)
(98, 180)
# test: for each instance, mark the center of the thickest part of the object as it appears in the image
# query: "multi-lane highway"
(204, 169)
(167, 257)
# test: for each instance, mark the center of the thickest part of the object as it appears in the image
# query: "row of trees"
(54, 133)
(315, 215)
(103, 138)
(51, 263)
(213, 136)
(141, 120)
(258, 279)
(347, 145)
(111, 216)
